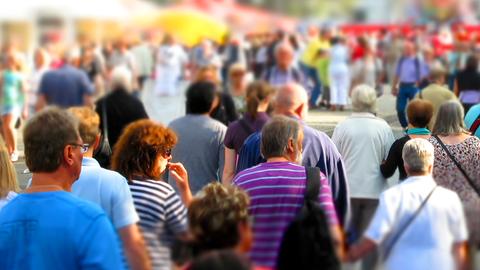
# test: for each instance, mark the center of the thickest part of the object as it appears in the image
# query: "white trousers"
(339, 84)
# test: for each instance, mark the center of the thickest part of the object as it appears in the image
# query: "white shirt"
(364, 140)
(427, 242)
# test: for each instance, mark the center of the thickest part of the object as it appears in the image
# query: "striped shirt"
(162, 217)
(276, 191)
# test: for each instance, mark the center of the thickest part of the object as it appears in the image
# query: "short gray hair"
(449, 119)
(122, 77)
(276, 134)
(418, 155)
(364, 99)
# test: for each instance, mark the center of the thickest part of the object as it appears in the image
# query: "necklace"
(418, 131)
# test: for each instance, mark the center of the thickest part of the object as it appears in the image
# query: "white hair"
(418, 155)
(364, 99)
(122, 77)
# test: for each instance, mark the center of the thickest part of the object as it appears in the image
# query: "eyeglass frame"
(83, 147)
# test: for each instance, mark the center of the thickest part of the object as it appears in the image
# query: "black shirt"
(395, 160)
(468, 80)
(122, 109)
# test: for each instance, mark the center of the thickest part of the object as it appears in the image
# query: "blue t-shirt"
(56, 230)
(107, 189)
(471, 116)
(65, 87)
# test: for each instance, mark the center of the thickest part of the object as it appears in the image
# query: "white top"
(364, 140)
(427, 242)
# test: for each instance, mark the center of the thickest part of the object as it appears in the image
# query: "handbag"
(103, 153)
(469, 180)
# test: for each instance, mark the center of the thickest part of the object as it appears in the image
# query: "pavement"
(164, 109)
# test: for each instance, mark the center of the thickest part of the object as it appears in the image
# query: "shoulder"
(253, 139)
(82, 208)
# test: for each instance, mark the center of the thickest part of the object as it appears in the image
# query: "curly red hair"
(137, 150)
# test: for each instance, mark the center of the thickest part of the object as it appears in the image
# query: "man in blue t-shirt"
(109, 190)
(46, 227)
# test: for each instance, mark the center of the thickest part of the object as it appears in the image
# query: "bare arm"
(41, 102)
(180, 175)
(395, 85)
(134, 247)
(229, 166)
(459, 251)
(359, 250)
(455, 88)
(338, 241)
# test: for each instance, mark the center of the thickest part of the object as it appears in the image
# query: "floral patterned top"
(447, 174)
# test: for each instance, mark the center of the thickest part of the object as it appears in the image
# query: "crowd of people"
(220, 187)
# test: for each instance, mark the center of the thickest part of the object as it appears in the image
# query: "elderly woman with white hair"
(457, 162)
(120, 105)
(363, 140)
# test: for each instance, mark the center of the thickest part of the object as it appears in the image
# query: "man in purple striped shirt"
(277, 187)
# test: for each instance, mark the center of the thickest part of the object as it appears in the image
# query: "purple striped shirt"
(276, 191)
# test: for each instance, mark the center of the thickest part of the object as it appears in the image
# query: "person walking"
(338, 73)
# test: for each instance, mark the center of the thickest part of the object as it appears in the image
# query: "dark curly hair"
(136, 151)
(214, 216)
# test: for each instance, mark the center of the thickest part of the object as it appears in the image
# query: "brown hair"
(419, 112)
(137, 149)
(45, 136)
(89, 123)
(257, 92)
(8, 176)
(214, 216)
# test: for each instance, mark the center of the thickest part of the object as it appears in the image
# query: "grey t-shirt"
(199, 148)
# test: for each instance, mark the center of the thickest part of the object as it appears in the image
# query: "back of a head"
(221, 260)
(276, 135)
(364, 99)
(89, 123)
(437, 73)
(419, 112)
(200, 97)
(449, 119)
(418, 155)
(121, 78)
(45, 136)
(472, 63)
(8, 175)
(214, 216)
(289, 97)
(257, 92)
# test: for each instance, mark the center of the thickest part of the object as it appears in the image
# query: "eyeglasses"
(83, 147)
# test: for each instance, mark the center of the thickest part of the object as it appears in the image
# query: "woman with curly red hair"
(142, 154)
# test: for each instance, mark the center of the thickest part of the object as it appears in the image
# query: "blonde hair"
(89, 123)
(8, 176)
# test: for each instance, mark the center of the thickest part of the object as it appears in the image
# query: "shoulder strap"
(403, 228)
(420, 94)
(104, 118)
(312, 189)
(475, 125)
(246, 127)
(417, 69)
(469, 180)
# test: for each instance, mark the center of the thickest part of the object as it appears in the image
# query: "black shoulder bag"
(469, 180)
(104, 152)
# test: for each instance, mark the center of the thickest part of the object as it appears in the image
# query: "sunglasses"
(167, 153)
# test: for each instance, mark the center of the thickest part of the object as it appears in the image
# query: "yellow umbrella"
(191, 26)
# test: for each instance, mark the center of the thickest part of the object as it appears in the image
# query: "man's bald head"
(292, 99)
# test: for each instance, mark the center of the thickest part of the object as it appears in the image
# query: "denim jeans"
(406, 93)
(310, 73)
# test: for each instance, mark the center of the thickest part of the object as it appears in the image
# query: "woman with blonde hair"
(13, 103)
(8, 178)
